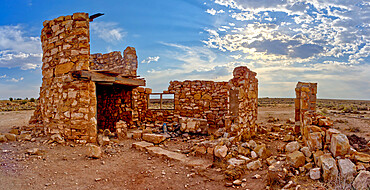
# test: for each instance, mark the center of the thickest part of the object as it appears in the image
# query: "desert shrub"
(324, 111)
(347, 109)
(32, 100)
(11, 99)
(23, 102)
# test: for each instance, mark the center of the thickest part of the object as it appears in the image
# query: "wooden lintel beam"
(100, 77)
(130, 82)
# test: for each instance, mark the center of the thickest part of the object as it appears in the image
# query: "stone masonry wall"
(206, 100)
(245, 84)
(305, 101)
(67, 105)
(201, 99)
(113, 61)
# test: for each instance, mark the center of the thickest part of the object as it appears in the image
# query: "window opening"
(161, 101)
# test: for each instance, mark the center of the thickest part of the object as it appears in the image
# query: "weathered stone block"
(11, 137)
(254, 165)
(220, 151)
(347, 169)
(94, 151)
(154, 138)
(339, 145)
(292, 146)
(63, 68)
(328, 166)
(262, 151)
(306, 151)
(329, 134)
(314, 141)
(315, 173)
(362, 181)
(236, 162)
(296, 159)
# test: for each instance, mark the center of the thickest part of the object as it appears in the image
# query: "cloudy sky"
(284, 41)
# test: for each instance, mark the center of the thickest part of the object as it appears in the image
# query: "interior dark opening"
(114, 103)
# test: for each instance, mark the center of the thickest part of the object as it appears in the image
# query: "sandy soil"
(13, 118)
(67, 167)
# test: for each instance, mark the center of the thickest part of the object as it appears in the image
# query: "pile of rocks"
(193, 125)
(16, 134)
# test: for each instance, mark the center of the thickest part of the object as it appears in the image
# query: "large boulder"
(328, 166)
(362, 181)
(154, 138)
(339, 145)
(292, 146)
(314, 141)
(347, 169)
(296, 159)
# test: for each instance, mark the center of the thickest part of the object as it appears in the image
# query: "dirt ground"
(121, 167)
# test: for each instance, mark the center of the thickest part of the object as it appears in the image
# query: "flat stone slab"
(160, 152)
(154, 138)
(142, 145)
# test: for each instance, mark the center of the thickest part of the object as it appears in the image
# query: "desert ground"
(66, 166)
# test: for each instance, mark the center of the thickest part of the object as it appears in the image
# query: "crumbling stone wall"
(305, 101)
(207, 100)
(245, 84)
(67, 105)
(201, 99)
(113, 104)
(113, 61)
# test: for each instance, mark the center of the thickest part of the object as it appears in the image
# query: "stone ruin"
(83, 93)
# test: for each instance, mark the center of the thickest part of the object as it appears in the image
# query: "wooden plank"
(102, 77)
(105, 78)
(130, 82)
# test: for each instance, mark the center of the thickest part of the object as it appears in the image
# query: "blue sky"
(284, 41)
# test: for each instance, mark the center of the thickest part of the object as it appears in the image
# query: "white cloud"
(150, 59)
(214, 12)
(108, 31)
(15, 80)
(3, 76)
(310, 29)
(19, 50)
